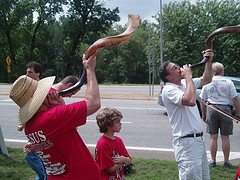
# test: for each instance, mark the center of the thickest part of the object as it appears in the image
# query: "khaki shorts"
(216, 121)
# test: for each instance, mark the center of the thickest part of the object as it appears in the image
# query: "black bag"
(128, 168)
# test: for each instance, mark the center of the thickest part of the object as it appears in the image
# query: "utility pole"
(153, 62)
(149, 65)
(161, 39)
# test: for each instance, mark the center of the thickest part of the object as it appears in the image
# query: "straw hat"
(29, 95)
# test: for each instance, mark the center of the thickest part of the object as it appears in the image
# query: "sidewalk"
(109, 95)
(121, 95)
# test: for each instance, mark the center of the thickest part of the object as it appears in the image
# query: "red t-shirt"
(105, 150)
(52, 89)
(54, 136)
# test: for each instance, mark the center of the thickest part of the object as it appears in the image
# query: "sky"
(145, 8)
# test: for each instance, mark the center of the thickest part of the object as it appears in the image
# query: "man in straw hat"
(32, 158)
(50, 125)
(67, 82)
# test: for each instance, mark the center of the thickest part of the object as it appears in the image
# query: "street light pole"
(149, 64)
(161, 39)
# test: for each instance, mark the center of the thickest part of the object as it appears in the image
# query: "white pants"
(190, 153)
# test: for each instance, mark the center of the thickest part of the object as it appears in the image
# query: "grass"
(15, 167)
(154, 169)
(5, 83)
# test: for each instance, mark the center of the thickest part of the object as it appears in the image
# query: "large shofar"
(133, 23)
(222, 30)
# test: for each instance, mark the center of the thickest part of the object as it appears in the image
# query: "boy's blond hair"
(105, 118)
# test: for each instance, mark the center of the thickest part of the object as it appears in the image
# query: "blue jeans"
(35, 162)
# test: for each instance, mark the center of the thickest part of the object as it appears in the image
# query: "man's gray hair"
(217, 68)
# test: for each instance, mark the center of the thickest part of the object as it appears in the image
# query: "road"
(146, 131)
(143, 124)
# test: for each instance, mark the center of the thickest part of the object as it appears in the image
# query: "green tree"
(22, 34)
(186, 27)
(86, 20)
(226, 47)
(46, 11)
(12, 14)
(126, 62)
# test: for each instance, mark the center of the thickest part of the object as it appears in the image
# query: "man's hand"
(208, 53)
(54, 99)
(28, 148)
(207, 75)
(237, 116)
(204, 117)
(20, 127)
(186, 71)
(90, 63)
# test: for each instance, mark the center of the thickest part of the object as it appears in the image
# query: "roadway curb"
(108, 95)
(4, 92)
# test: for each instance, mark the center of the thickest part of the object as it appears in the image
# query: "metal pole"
(8, 78)
(153, 62)
(3, 146)
(161, 38)
(149, 65)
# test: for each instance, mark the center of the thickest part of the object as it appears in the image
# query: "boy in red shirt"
(110, 152)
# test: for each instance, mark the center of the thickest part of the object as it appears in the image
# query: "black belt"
(193, 135)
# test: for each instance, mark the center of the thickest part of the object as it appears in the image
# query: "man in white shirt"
(222, 93)
(179, 97)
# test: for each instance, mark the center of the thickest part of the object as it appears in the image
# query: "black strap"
(193, 135)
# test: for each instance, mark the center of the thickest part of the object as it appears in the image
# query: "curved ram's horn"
(222, 30)
(133, 23)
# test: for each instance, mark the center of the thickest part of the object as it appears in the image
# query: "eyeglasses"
(174, 67)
